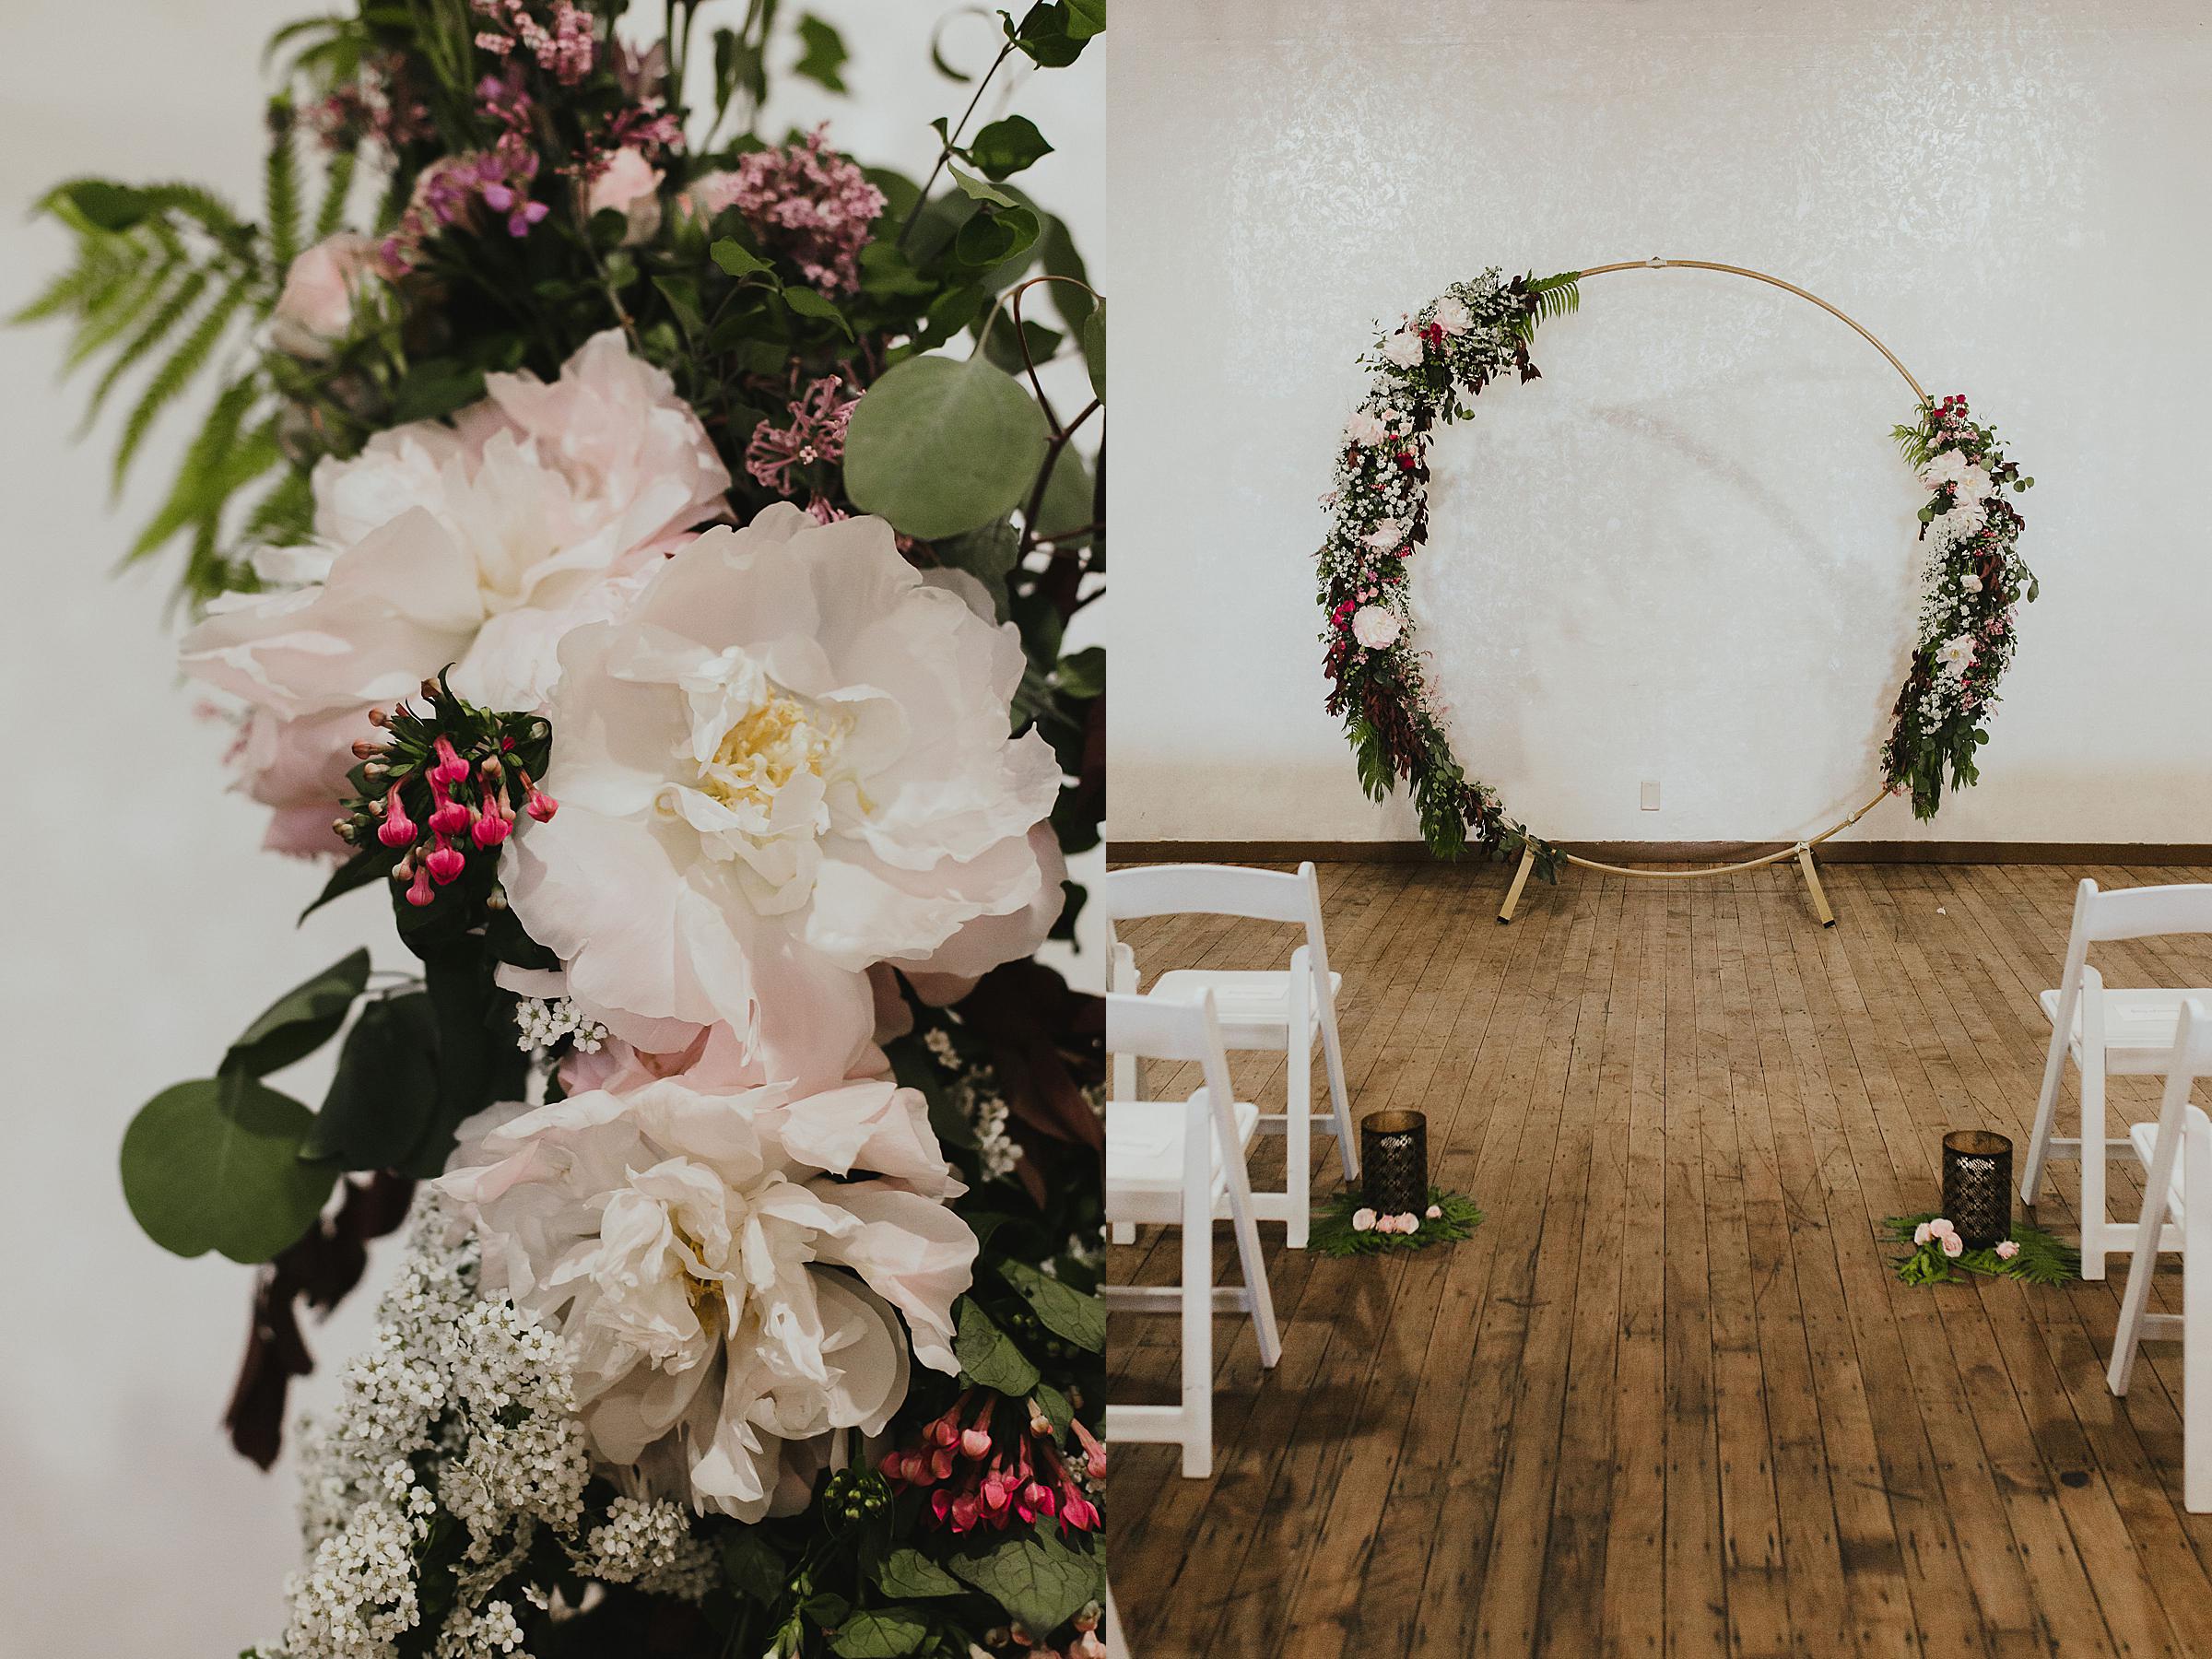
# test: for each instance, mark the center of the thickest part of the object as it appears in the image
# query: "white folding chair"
(1174, 1162)
(1289, 1011)
(2108, 1033)
(2177, 1151)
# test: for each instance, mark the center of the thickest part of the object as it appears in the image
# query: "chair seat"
(1253, 1006)
(2142, 1137)
(1144, 1156)
(2138, 1026)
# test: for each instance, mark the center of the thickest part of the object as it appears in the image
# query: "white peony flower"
(724, 1301)
(322, 287)
(1969, 482)
(476, 545)
(1955, 657)
(1404, 349)
(789, 761)
(1452, 316)
(1970, 582)
(1387, 534)
(1365, 430)
(1375, 627)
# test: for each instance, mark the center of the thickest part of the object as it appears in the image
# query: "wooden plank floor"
(1670, 1400)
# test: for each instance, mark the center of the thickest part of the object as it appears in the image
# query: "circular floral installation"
(1426, 372)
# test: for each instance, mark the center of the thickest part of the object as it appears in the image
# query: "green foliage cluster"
(2042, 1259)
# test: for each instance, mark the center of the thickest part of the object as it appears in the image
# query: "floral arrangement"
(1940, 1255)
(641, 550)
(1424, 373)
(1973, 578)
(1348, 1227)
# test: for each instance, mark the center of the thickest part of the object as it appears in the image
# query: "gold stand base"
(1802, 851)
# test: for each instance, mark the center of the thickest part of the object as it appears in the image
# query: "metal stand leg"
(1812, 882)
(1512, 894)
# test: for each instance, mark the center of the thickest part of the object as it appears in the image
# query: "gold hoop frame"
(1801, 850)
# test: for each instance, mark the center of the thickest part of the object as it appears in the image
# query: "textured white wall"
(139, 927)
(1685, 554)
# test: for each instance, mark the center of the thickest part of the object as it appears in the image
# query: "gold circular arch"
(1800, 850)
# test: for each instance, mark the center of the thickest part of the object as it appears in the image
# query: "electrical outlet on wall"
(1650, 794)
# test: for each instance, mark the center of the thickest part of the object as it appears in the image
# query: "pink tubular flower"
(817, 433)
(805, 202)
(397, 830)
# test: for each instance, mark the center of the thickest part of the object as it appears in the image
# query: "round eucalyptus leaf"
(938, 446)
(215, 1164)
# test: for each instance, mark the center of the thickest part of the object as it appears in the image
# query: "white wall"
(139, 927)
(1685, 553)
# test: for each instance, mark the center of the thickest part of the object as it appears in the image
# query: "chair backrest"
(1144, 1027)
(1194, 889)
(2126, 913)
(2191, 1042)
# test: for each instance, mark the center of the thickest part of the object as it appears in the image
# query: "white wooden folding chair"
(2177, 1151)
(1289, 1011)
(1176, 1162)
(2108, 1033)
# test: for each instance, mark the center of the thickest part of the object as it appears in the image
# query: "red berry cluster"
(455, 773)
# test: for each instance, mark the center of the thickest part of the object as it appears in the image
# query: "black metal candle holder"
(1977, 1185)
(1393, 1161)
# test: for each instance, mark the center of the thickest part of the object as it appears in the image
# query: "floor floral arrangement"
(607, 566)
(1940, 1255)
(1424, 374)
(1346, 1227)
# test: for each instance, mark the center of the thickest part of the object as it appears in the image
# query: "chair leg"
(1297, 1141)
(2196, 1317)
(2046, 1115)
(2127, 1335)
(2094, 1213)
(1247, 1229)
(1197, 1342)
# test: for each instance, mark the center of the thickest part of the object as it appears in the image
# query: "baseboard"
(1660, 852)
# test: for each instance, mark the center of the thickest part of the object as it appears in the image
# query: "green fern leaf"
(282, 184)
(175, 374)
(201, 469)
(337, 183)
(64, 293)
(154, 329)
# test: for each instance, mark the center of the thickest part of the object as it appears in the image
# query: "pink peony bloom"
(1375, 627)
(322, 287)
(628, 184)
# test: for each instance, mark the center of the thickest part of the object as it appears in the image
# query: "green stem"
(952, 139)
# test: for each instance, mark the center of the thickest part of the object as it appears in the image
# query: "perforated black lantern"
(1977, 1185)
(1394, 1162)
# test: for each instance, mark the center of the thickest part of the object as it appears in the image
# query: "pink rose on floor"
(1375, 627)
(1940, 1228)
(1922, 1233)
(1363, 1221)
(629, 185)
(1409, 1223)
(1436, 1212)
(1953, 1244)
(321, 287)
(2007, 1248)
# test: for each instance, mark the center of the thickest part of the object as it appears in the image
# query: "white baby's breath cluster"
(461, 1410)
(974, 1090)
(540, 1023)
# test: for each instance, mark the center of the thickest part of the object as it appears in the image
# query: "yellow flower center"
(770, 747)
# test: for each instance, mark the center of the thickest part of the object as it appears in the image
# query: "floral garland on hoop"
(1424, 373)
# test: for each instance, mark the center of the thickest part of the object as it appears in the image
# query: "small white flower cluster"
(461, 1407)
(974, 1092)
(649, 1545)
(540, 1024)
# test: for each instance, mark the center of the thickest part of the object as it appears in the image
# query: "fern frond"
(337, 184)
(1549, 296)
(175, 374)
(280, 184)
(200, 469)
(156, 328)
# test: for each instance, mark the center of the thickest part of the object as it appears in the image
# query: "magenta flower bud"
(976, 1443)
(444, 863)
(451, 818)
(420, 894)
(490, 830)
(397, 830)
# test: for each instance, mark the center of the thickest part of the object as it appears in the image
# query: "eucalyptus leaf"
(384, 1094)
(938, 446)
(1007, 146)
(879, 1633)
(301, 1020)
(1035, 1577)
(988, 1356)
(1065, 1313)
(218, 1164)
(910, 1574)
